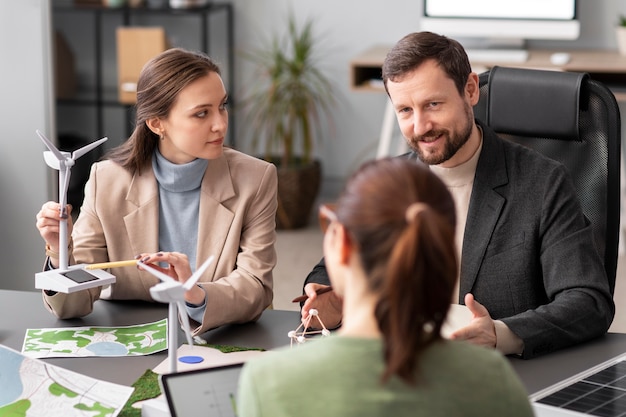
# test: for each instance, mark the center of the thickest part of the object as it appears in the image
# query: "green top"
(340, 376)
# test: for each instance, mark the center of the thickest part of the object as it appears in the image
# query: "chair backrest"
(570, 118)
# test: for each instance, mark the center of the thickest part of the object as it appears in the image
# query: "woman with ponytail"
(390, 253)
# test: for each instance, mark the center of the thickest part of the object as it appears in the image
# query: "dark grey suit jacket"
(528, 254)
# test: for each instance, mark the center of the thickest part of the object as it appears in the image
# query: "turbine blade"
(51, 146)
(196, 275)
(80, 152)
(160, 275)
(182, 313)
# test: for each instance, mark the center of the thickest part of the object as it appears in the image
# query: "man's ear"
(472, 89)
(155, 125)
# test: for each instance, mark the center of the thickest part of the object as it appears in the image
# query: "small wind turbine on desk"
(173, 292)
(66, 279)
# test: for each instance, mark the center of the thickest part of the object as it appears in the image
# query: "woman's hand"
(48, 221)
(178, 268)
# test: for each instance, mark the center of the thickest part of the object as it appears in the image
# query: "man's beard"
(452, 143)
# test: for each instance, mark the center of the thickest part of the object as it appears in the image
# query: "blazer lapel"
(485, 206)
(215, 218)
(142, 223)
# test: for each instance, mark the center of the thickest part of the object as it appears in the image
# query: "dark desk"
(20, 310)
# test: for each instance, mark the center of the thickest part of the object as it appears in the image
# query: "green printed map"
(33, 388)
(142, 339)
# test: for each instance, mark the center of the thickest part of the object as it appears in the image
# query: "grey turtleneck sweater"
(179, 208)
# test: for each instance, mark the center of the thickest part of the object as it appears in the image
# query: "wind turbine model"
(173, 292)
(67, 279)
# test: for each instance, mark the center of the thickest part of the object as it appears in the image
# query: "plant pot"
(297, 190)
(620, 35)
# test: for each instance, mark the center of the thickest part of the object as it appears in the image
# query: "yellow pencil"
(117, 264)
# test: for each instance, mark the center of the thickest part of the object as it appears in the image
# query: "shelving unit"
(95, 110)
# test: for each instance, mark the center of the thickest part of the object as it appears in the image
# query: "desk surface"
(20, 310)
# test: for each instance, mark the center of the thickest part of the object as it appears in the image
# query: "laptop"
(208, 392)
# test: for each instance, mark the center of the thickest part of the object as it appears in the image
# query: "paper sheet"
(458, 316)
(33, 388)
(211, 358)
(76, 342)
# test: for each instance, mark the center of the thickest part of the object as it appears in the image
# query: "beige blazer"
(119, 219)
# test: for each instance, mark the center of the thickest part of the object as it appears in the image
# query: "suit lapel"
(142, 224)
(485, 206)
(215, 218)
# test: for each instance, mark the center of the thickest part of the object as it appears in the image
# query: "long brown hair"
(416, 48)
(402, 219)
(160, 82)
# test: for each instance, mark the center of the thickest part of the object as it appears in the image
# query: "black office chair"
(573, 119)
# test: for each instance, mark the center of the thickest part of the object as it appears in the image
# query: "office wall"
(348, 27)
(25, 105)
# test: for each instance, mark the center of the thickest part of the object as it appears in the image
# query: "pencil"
(117, 264)
(318, 292)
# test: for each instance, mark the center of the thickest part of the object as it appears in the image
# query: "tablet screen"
(207, 392)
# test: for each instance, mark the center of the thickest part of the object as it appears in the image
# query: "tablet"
(208, 392)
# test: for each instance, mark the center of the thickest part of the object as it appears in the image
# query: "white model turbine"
(173, 292)
(63, 162)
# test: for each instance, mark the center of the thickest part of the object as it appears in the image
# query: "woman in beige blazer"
(173, 185)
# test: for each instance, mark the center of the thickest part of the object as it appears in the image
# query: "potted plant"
(620, 33)
(283, 112)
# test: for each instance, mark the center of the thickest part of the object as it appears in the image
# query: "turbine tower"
(173, 292)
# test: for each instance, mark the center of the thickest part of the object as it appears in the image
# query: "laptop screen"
(207, 392)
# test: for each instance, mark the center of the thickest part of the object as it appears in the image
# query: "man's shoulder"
(517, 151)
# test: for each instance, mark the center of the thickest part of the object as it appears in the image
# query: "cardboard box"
(135, 47)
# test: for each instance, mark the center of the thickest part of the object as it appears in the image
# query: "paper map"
(31, 387)
(142, 339)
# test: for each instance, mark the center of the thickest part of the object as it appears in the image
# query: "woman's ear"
(344, 244)
(155, 125)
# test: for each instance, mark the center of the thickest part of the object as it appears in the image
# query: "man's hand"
(481, 330)
(328, 306)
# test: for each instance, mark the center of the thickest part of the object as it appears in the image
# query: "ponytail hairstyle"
(402, 219)
(160, 81)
